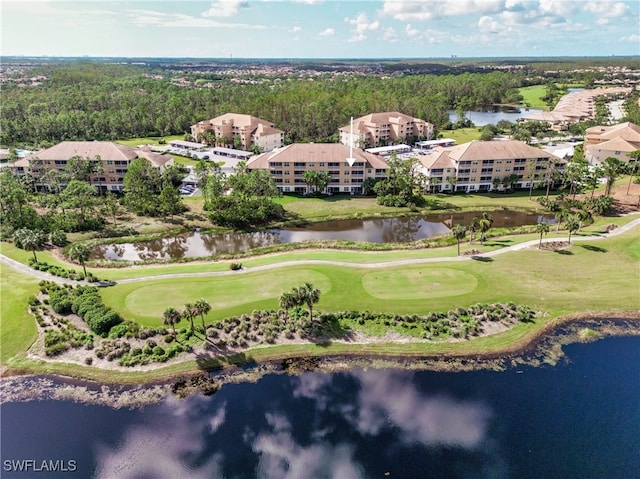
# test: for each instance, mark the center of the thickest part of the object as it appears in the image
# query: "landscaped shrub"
(235, 266)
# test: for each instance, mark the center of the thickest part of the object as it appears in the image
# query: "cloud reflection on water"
(165, 447)
(199, 436)
(389, 398)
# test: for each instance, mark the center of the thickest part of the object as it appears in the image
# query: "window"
(286, 163)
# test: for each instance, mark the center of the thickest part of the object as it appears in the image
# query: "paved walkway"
(517, 247)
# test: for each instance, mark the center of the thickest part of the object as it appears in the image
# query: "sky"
(320, 28)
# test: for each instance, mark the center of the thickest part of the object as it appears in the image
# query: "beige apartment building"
(250, 130)
(288, 164)
(384, 129)
(112, 161)
(475, 166)
(616, 141)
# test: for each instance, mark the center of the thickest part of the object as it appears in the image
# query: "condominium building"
(384, 129)
(616, 141)
(287, 166)
(249, 129)
(575, 106)
(111, 160)
(483, 165)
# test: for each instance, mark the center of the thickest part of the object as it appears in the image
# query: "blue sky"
(321, 28)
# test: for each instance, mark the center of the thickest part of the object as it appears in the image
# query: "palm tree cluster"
(317, 181)
(172, 316)
(303, 295)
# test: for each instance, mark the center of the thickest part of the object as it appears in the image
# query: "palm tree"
(190, 313)
(484, 224)
(634, 158)
(202, 308)
(433, 184)
(452, 180)
(543, 229)
(80, 253)
(572, 223)
(309, 178)
(309, 295)
(29, 240)
(171, 317)
(458, 232)
(473, 227)
(612, 167)
(287, 301)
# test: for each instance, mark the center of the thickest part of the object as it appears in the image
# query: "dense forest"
(93, 101)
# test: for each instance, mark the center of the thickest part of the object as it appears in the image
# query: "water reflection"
(316, 426)
(492, 115)
(379, 230)
(364, 423)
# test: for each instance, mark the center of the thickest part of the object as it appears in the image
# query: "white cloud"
(631, 39)
(225, 8)
(410, 31)
(328, 32)
(412, 10)
(488, 25)
(151, 18)
(362, 26)
(607, 9)
(389, 35)
(295, 29)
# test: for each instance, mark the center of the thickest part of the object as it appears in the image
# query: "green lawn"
(349, 206)
(150, 140)
(462, 135)
(532, 96)
(598, 276)
(17, 325)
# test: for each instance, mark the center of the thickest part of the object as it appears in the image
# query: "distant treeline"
(93, 101)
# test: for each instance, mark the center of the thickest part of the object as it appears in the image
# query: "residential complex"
(483, 165)
(576, 106)
(249, 129)
(287, 166)
(111, 159)
(384, 129)
(617, 141)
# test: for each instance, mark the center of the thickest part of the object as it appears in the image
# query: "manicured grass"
(532, 96)
(17, 325)
(354, 207)
(149, 140)
(462, 135)
(597, 276)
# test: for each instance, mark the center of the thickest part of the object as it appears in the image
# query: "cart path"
(22, 268)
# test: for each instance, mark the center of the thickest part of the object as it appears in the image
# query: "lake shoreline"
(543, 346)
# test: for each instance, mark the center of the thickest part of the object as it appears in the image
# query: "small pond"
(379, 230)
(492, 115)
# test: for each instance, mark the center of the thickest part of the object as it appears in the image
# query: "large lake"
(381, 230)
(579, 419)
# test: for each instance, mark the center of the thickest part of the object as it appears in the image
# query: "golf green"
(151, 300)
(418, 283)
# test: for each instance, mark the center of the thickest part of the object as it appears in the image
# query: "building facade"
(287, 167)
(485, 165)
(384, 129)
(616, 141)
(248, 129)
(111, 160)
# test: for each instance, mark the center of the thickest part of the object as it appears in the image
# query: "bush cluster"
(460, 322)
(61, 272)
(67, 336)
(85, 301)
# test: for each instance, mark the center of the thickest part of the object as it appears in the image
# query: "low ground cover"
(72, 328)
(589, 276)
(532, 96)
